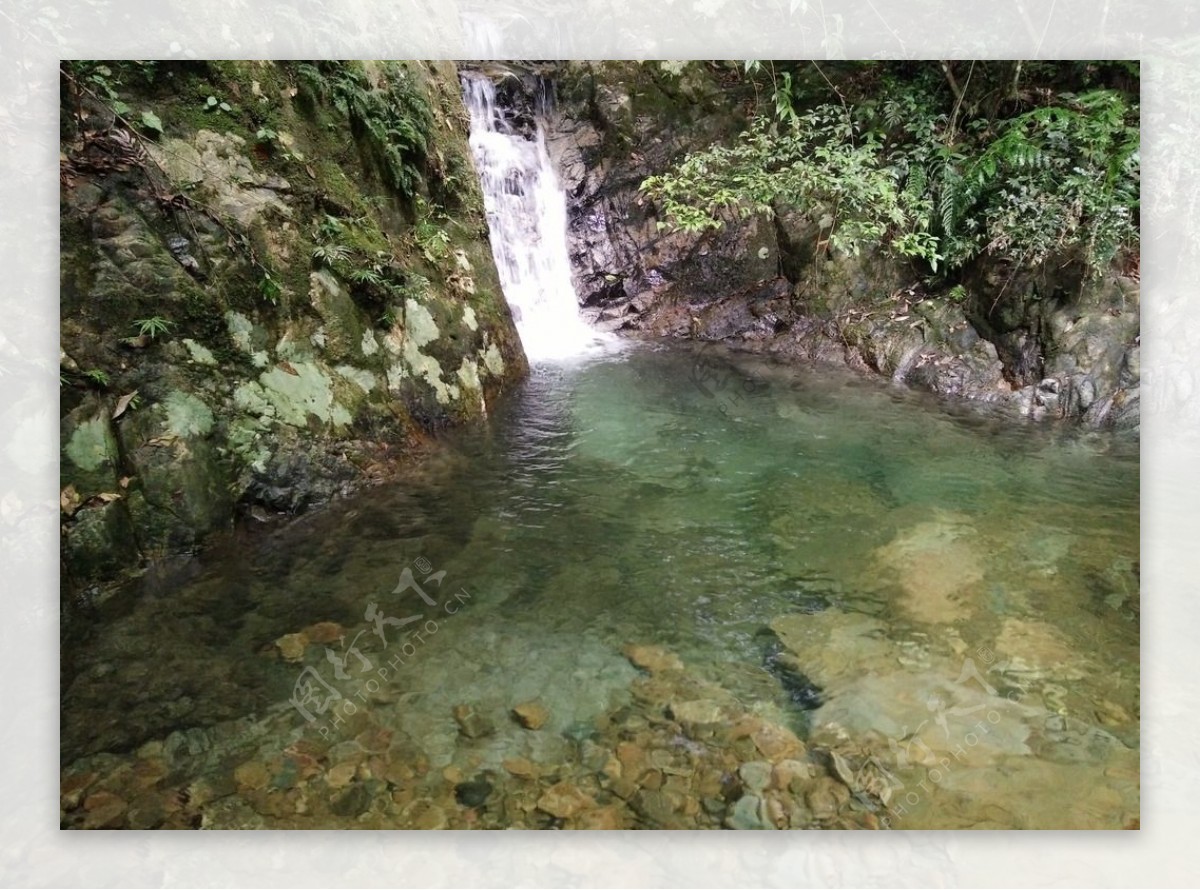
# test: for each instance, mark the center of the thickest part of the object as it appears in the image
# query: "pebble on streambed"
(684, 753)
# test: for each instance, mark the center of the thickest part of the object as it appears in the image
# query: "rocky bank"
(1048, 341)
(276, 280)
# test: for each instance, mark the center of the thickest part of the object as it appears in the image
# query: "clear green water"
(692, 499)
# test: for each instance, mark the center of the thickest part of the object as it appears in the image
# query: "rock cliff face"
(612, 125)
(267, 295)
(1048, 341)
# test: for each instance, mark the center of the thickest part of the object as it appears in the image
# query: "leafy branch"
(895, 171)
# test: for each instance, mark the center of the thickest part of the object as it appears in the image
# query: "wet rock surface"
(612, 125)
(267, 383)
(1051, 341)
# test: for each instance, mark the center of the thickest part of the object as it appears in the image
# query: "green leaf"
(212, 102)
(225, 106)
(152, 121)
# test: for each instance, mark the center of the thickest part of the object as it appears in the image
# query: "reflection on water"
(933, 590)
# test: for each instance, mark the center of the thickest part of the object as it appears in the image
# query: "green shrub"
(904, 170)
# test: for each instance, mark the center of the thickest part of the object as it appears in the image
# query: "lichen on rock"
(271, 368)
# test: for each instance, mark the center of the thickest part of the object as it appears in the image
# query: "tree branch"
(954, 87)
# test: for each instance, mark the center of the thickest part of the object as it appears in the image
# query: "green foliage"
(100, 79)
(394, 117)
(105, 79)
(152, 122)
(366, 275)
(821, 160)
(269, 288)
(96, 376)
(214, 104)
(415, 287)
(936, 178)
(432, 239)
(330, 255)
(346, 248)
(1059, 176)
(153, 327)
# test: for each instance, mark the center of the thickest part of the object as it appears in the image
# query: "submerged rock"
(1032, 649)
(324, 632)
(826, 797)
(292, 646)
(103, 809)
(531, 715)
(696, 713)
(938, 568)
(352, 802)
(564, 800)
(609, 818)
(777, 742)
(474, 793)
(786, 667)
(749, 814)
(652, 658)
(251, 776)
(756, 775)
(521, 767)
(472, 724)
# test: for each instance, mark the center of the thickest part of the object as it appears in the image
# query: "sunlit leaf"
(152, 121)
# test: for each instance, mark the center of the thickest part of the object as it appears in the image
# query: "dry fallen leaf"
(287, 366)
(69, 500)
(123, 403)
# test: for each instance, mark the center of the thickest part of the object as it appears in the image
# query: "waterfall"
(527, 215)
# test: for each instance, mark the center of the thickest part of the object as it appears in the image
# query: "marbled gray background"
(34, 34)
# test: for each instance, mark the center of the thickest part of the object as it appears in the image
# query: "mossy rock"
(100, 543)
(250, 383)
(91, 457)
(182, 488)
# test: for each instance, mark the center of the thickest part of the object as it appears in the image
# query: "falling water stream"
(527, 214)
(942, 596)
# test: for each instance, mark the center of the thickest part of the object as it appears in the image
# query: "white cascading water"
(527, 214)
